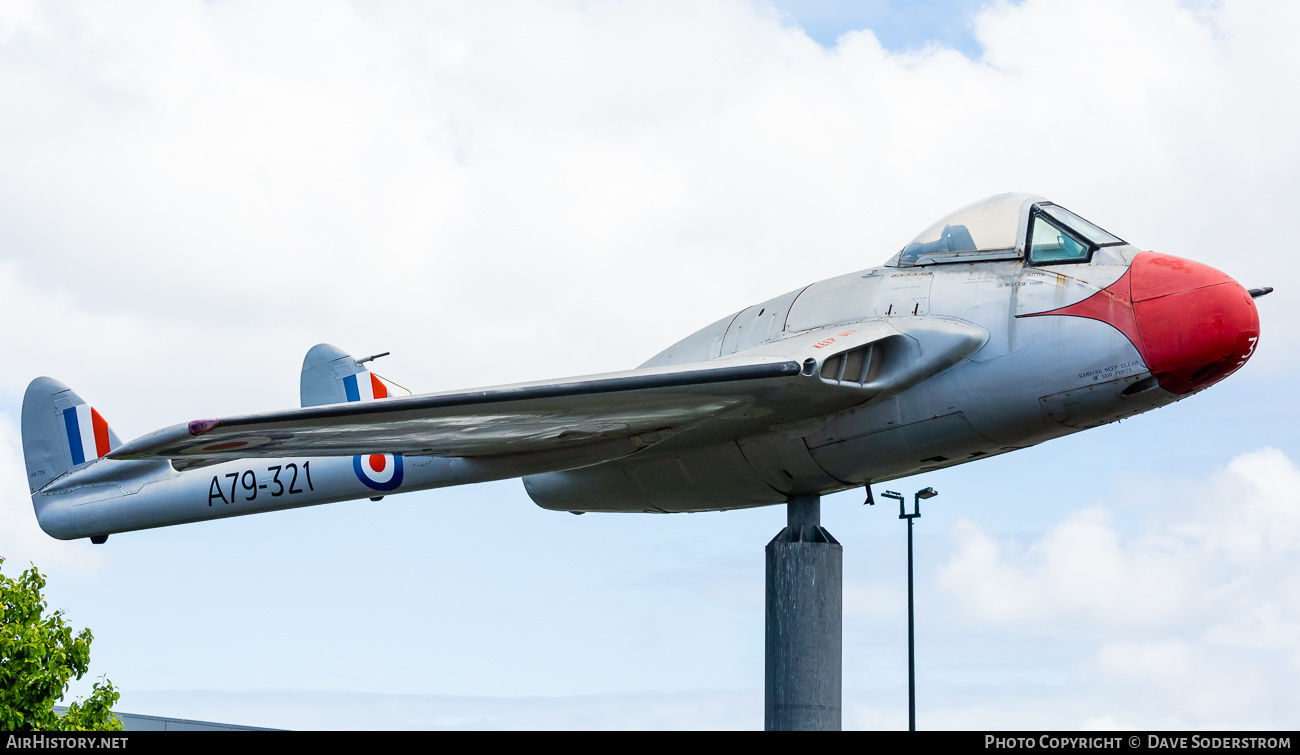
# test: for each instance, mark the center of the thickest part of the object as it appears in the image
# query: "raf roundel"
(379, 471)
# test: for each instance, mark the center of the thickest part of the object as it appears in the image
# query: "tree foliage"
(38, 657)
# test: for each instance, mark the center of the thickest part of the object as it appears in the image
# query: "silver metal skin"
(947, 354)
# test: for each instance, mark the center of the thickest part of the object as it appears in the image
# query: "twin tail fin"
(61, 432)
(330, 375)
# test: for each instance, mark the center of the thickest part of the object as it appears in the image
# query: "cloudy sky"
(192, 194)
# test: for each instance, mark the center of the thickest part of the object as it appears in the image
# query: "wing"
(807, 375)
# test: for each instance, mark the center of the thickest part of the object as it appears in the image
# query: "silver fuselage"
(1033, 380)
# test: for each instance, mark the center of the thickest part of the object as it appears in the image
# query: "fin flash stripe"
(87, 433)
(364, 386)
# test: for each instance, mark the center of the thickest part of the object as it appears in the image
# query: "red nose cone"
(1196, 324)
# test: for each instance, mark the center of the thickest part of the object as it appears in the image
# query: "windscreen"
(1079, 225)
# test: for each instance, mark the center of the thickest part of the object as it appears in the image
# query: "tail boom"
(120, 496)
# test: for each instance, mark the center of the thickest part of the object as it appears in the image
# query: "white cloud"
(192, 194)
(22, 542)
(1079, 566)
(586, 183)
(1200, 606)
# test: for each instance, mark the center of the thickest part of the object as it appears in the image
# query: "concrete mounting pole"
(805, 627)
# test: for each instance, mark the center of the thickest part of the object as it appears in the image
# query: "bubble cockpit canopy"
(997, 228)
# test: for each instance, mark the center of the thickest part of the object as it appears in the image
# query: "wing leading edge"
(490, 421)
(749, 392)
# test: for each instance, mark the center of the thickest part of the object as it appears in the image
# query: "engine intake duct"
(855, 367)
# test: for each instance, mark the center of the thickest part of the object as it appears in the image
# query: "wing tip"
(200, 426)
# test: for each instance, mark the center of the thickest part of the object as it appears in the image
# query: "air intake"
(855, 367)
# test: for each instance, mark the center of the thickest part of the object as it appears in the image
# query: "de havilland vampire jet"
(1008, 323)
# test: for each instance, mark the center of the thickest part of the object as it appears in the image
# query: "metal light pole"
(927, 493)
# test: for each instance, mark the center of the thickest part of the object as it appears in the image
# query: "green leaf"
(38, 657)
